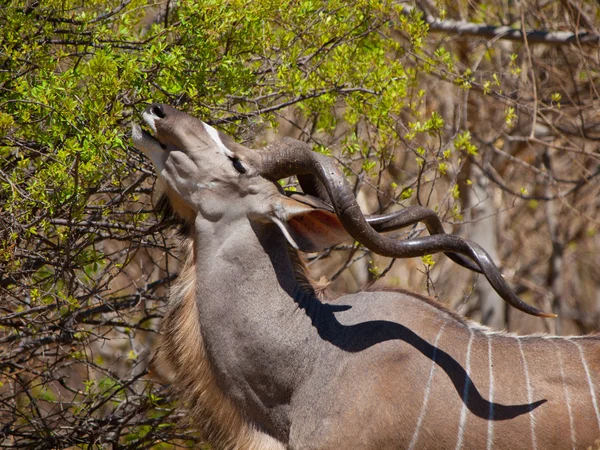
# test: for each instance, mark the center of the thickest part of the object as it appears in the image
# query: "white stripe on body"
(463, 412)
(415, 437)
(589, 380)
(490, 437)
(529, 395)
(567, 396)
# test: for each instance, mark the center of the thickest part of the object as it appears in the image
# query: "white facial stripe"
(214, 134)
(149, 118)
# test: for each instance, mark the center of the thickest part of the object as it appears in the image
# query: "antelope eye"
(237, 165)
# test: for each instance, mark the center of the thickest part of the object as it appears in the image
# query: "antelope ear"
(307, 228)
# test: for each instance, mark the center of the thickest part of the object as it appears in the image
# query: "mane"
(169, 217)
(318, 288)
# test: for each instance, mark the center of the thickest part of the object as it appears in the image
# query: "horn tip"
(549, 315)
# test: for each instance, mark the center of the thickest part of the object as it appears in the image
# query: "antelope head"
(204, 172)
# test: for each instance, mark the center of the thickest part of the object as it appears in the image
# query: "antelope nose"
(157, 110)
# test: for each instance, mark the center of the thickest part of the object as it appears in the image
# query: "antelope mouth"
(145, 141)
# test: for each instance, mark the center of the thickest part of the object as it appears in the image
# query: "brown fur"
(318, 288)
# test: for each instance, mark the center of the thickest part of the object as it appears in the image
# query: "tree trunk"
(482, 230)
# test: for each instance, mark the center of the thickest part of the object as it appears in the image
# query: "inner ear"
(306, 228)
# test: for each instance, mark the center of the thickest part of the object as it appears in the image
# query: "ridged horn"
(292, 157)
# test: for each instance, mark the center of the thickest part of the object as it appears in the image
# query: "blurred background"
(486, 111)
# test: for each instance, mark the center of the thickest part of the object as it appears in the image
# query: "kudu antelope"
(264, 362)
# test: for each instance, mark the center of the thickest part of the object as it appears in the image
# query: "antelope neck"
(260, 342)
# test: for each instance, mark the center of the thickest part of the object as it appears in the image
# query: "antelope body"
(264, 362)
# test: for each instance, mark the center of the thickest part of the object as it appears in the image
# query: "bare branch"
(465, 28)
